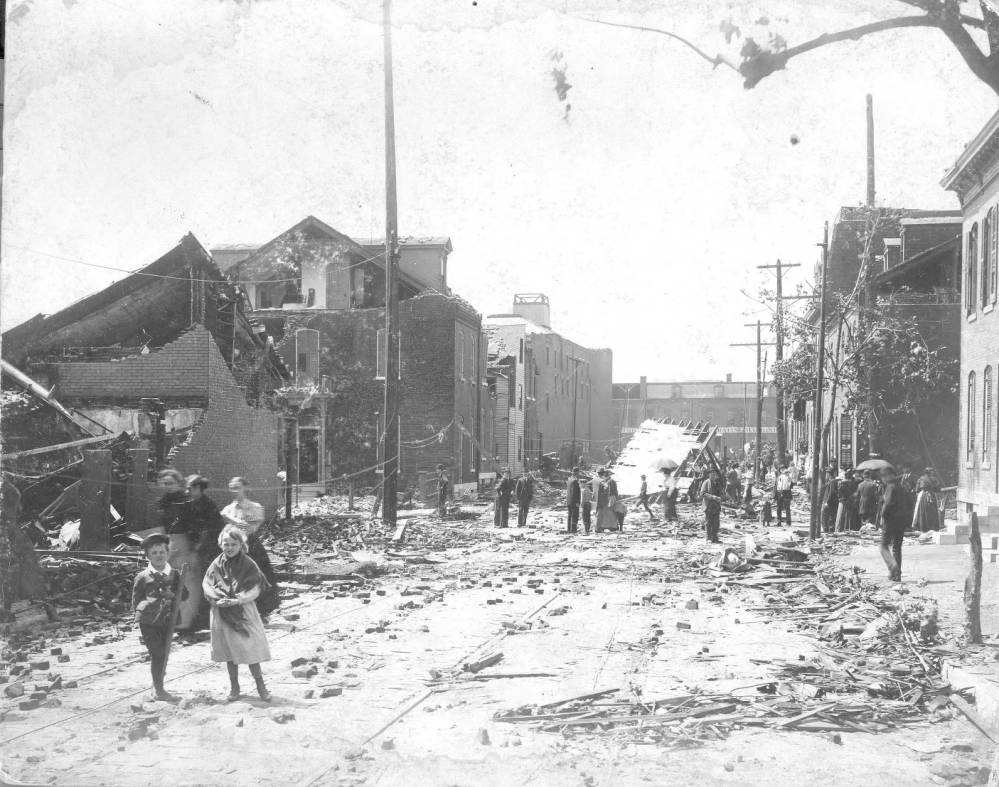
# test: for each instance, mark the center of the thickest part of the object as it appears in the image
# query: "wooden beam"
(95, 499)
(104, 438)
(137, 491)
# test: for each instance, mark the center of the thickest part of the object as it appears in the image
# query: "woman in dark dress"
(175, 518)
(927, 514)
(205, 523)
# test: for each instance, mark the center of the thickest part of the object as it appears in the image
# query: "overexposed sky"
(641, 212)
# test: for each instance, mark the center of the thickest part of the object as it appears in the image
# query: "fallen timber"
(876, 665)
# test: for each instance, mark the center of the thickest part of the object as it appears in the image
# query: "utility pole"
(758, 344)
(815, 525)
(779, 355)
(390, 459)
(575, 389)
(873, 447)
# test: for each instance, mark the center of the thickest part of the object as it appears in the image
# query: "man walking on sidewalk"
(893, 519)
(504, 491)
(782, 495)
(525, 494)
(574, 496)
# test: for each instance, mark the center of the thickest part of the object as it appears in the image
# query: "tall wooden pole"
(390, 464)
(759, 399)
(815, 529)
(866, 312)
(779, 355)
(758, 344)
(870, 151)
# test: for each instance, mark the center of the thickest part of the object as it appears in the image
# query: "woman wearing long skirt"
(232, 584)
(847, 516)
(248, 516)
(606, 500)
(927, 513)
(670, 491)
(176, 521)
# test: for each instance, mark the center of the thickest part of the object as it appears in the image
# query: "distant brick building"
(729, 406)
(169, 343)
(320, 296)
(560, 390)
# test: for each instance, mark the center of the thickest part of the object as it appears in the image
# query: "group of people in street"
(849, 501)
(207, 569)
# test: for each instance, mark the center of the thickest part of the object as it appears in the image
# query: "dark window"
(303, 362)
(971, 270)
(987, 414)
(971, 416)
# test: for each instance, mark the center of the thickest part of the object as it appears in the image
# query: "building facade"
(321, 297)
(915, 262)
(727, 405)
(975, 179)
(560, 390)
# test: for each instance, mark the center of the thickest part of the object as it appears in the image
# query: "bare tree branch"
(717, 60)
(759, 63)
(765, 63)
(980, 64)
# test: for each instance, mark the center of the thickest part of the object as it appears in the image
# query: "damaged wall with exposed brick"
(233, 438)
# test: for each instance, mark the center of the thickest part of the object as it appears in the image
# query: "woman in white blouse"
(248, 516)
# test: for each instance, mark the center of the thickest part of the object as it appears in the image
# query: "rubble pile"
(103, 587)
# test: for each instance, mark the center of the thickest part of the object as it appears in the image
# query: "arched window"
(971, 416)
(971, 270)
(987, 415)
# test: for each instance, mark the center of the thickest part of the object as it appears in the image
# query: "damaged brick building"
(166, 357)
(320, 295)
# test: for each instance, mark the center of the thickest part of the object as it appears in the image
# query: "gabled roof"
(257, 263)
(411, 240)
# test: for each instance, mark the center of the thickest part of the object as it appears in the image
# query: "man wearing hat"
(830, 500)
(525, 494)
(504, 491)
(573, 497)
(893, 519)
(711, 494)
(443, 487)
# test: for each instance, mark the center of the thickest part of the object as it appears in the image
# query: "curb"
(984, 682)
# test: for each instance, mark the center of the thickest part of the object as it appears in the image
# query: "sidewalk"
(939, 572)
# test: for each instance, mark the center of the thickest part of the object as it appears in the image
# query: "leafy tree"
(760, 56)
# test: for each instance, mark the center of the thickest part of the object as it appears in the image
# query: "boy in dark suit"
(153, 603)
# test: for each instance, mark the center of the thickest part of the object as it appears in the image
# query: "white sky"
(128, 124)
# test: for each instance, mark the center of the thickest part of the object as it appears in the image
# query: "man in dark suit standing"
(504, 491)
(573, 496)
(525, 494)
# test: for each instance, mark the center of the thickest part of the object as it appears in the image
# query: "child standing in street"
(153, 596)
